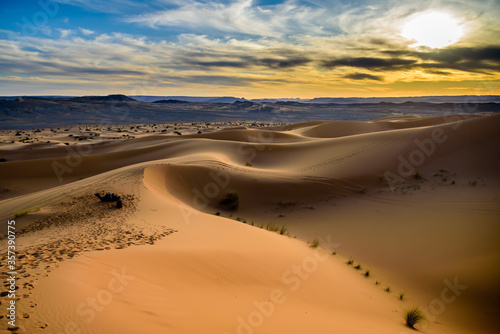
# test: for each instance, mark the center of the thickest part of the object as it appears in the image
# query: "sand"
(413, 202)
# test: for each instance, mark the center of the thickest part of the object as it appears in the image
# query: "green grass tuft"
(21, 213)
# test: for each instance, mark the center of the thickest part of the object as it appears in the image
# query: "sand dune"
(413, 200)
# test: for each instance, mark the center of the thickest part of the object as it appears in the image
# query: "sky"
(251, 49)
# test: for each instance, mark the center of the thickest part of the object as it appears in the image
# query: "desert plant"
(248, 164)
(21, 213)
(413, 316)
(315, 243)
(217, 213)
(272, 227)
(401, 296)
(358, 267)
(283, 230)
(377, 283)
(334, 253)
(350, 262)
(418, 176)
(388, 289)
(367, 273)
(231, 201)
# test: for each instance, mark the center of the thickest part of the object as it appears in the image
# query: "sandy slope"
(415, 201)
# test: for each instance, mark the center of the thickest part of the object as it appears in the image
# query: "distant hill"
(201, 99)
(469, 99)
(109, 98)
(171, 101)
(41, 112)
(466, 99)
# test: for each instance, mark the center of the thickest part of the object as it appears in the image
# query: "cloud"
(106, 6)
(370, 63)
(65, 32)
(484, 59)
(242, 17)
(363, 76)
(86, 32)
(291, 45)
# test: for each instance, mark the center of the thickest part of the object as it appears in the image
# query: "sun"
(432, 29)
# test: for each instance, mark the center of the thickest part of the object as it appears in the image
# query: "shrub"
(283, 230)
(418, 176)
(315, 243)
(358, 267)
(367, 273)
(350, 262)
(248, 164)
(272, 227)
(388, 289)
(413, 317)
(21, 213)
(401, 296)
(231, 201)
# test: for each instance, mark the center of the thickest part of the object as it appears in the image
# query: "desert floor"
(413, 203)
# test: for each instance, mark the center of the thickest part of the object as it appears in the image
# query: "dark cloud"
(484, 60)
(363, 76)
(370, 63)
(51, 68)
(251, 62)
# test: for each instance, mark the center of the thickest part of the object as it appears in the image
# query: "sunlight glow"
(432, 29)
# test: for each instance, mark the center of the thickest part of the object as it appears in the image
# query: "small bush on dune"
(272, 227)
(283, 230)
(231, 201)
(350, 262)
(21, 213)
(315, 243)
(413, 317)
